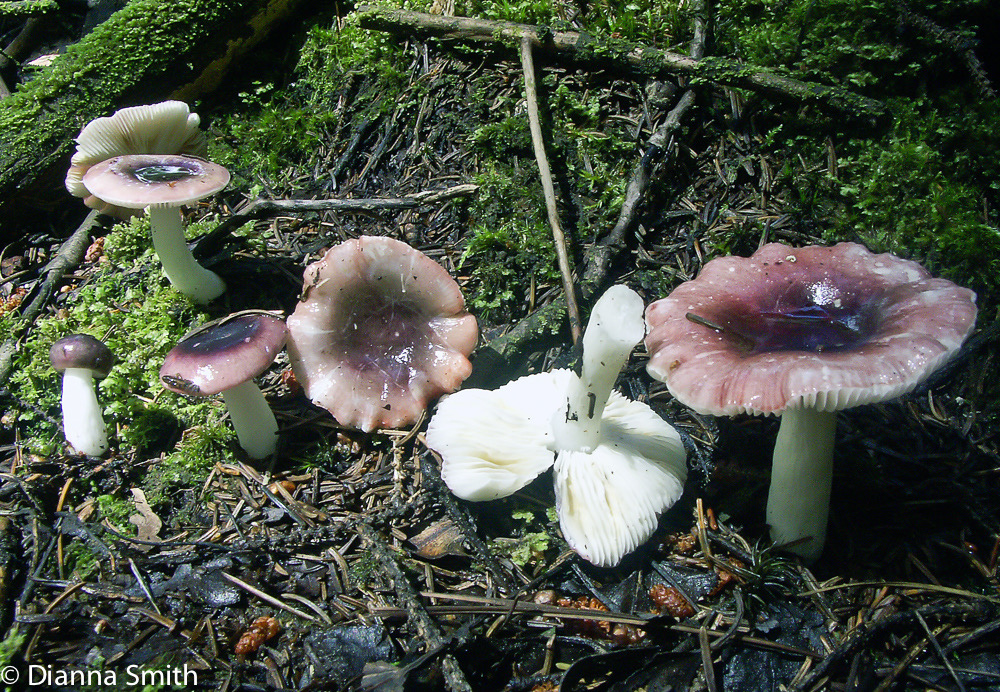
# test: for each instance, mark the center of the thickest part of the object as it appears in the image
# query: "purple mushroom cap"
(381, 330)
(136, 181)
(803, 333)
(826, 327)
(82, 351)
(224, 353)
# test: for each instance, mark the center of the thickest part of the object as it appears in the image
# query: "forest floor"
(344, 562)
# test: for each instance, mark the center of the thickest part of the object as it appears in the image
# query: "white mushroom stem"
(256, 427)
(187, 276)
(801, 476)
(616, 325)
(83, 420)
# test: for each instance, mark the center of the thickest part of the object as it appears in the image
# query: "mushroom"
(224, 356)
(617, 464)
(161, 128)
(381, 330)
(81, 358)
(164, 182)
(803, 333)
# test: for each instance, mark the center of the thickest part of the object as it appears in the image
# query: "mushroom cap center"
(384, 334)
(817, 316)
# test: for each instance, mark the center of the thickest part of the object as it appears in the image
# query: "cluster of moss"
(924, 184)
(140, 317)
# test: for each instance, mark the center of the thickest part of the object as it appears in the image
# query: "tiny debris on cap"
(381, 330)
(223, 353)
(82, 351)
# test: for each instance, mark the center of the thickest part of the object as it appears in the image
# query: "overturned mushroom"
(617, 464)
(803, 333)
(161, 128)
(163, 183)
(224, 356)
(381, 330)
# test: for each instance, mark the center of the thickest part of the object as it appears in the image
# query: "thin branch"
(636, 58)
(414, 607)
(264, 208)
(548, 189)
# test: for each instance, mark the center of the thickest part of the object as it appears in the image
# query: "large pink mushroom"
(380, 331)
(803, 333)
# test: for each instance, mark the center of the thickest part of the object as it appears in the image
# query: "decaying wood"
(640, 59)
(148, 51)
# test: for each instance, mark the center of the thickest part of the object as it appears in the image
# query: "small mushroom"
(803, 333)
(224, 356)
(81, 358)
(617, 464)
(160, 128)
(381, 330)
(162, 183)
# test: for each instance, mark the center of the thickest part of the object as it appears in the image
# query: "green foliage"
(910, 197)
(503, 138)
(510, 242)
(207, 440)
(651, 22)
(140, 318)
(918, 188)
(79, 559)
(275, 130)
(117, 511)
(533, 537)
(520, 11)
(11, 644)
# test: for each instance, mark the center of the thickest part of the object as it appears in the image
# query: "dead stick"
(548, 189)
(70, 254)
(264, 208)
(414, 607)
(638, 58)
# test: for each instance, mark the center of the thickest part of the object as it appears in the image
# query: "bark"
(638, 59)
(149, 51)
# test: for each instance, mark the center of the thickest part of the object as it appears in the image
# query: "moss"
(11, 645)
(117, 511)
(924, 185)
(89, 80)
(207, 441)
(274, 131)
(79, 560)
(140, 318)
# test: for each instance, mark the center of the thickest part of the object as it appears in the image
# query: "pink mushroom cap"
(381, 330)
(136, 181)
(822, 327)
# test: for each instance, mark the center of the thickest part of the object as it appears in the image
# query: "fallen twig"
(263, 208)
(637, 58)
(70, 254)
(415, 609)
(548, 189)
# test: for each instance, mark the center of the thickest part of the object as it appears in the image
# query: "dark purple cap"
(82, 351)
(223, 353)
